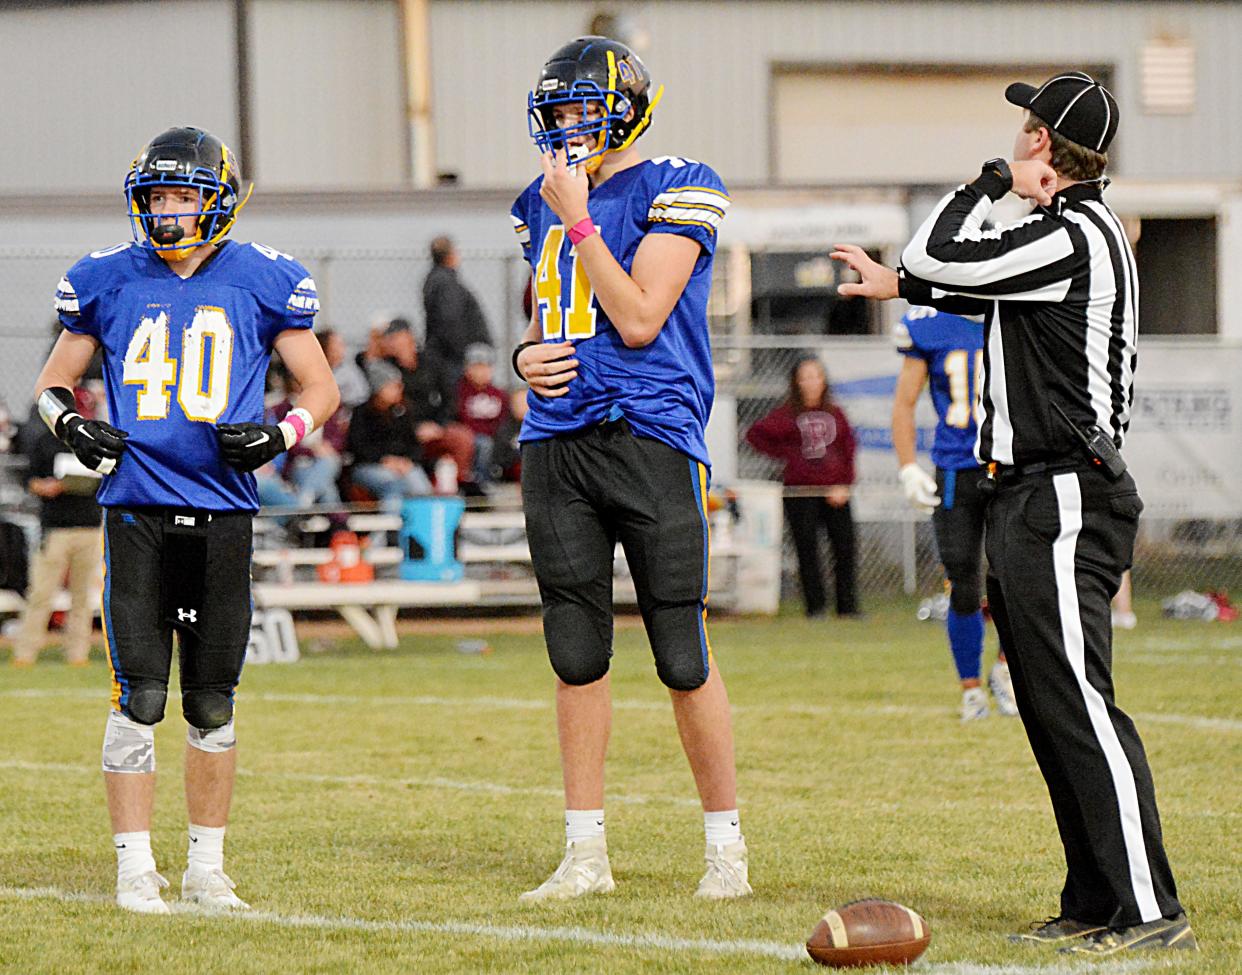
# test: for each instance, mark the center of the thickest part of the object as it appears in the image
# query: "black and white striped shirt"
(1059, 291)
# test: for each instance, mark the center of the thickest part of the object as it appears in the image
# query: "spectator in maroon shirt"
(481, 407)
(811, 436)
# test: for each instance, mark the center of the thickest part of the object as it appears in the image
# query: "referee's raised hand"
(1034, 180)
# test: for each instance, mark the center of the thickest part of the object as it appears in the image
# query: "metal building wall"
(86, 85)
(715, 59)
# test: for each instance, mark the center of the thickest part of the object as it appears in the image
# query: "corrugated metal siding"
(715, 59)
(327, 93)
(85, 87)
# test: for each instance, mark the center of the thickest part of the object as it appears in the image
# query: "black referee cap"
(1074, 105)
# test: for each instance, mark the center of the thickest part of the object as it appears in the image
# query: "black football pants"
(1057, 545)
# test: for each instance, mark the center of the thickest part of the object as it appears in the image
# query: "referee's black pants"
(1057, 545)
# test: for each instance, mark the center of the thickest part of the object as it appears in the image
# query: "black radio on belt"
(1100, 448)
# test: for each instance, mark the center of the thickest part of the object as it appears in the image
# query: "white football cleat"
(584, 870)
(975, 704)
(1001, 686)
(211, 889)
(1124, 620)
(727, 873)
(140, 893)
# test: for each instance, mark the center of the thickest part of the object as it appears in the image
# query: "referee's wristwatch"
(999, 167)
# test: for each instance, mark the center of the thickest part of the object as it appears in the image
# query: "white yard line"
(379, 781)
(500, 933)
(536, 704)
(483, 786)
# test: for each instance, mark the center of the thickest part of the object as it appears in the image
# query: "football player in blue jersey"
(187, 321)
(619, 364)
(947, 352)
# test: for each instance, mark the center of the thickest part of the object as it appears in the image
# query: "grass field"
(393, 805)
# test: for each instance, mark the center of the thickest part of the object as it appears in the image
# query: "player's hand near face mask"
(564, 188)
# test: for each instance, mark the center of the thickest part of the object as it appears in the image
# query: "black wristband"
(995, 179)
(517, 352)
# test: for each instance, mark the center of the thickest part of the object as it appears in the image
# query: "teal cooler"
(428, 539)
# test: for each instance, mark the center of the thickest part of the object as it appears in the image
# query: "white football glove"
(919, 487)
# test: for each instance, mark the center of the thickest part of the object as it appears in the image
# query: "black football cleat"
(1165, 932)
(1056, 931)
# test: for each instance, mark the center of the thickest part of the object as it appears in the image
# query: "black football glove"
(248, 446)
(96, 444)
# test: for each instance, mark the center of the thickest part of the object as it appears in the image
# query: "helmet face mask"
(184, 158)
(606, 88)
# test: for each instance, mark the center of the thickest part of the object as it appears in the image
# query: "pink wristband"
(298, 424)
(581, 231)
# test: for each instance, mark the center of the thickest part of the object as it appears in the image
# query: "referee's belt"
(1005, 474)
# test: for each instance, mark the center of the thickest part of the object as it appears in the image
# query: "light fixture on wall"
(1168, 76)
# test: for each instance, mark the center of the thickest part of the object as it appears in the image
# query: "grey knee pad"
(206, 710)
(128, 746)
(146, 703)
(215, 740)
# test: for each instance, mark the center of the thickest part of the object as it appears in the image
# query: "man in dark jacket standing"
(452, 313)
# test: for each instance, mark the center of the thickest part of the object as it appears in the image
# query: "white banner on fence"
(1185, 442)
(1184, 446)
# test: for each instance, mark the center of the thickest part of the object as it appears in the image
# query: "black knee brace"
(146, 702)
(206, 710)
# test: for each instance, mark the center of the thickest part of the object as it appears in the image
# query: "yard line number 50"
(206, 360)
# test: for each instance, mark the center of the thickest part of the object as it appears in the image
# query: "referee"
(1059, 292)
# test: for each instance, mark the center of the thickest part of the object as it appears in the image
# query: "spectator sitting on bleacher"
(70, 521)
(481, 407)
(387, 454)
(350, 379)
(431, 401)
(506, 451)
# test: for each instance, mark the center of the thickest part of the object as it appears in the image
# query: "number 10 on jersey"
(578, 320)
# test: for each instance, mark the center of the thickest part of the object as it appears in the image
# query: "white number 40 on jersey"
(203, 390)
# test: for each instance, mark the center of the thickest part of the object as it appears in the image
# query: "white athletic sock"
(206, 847)
(133, 853)
(722, 828)
(582, 824)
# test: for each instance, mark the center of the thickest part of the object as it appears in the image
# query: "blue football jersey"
(180, 356)
(952, 347)
(665, 389)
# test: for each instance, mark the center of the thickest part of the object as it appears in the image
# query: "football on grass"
(868, 932)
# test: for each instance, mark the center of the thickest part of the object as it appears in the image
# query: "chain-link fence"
(757, 343)
(896, 547)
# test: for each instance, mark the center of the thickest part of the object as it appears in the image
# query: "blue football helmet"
(586, 71)
(187, 157)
